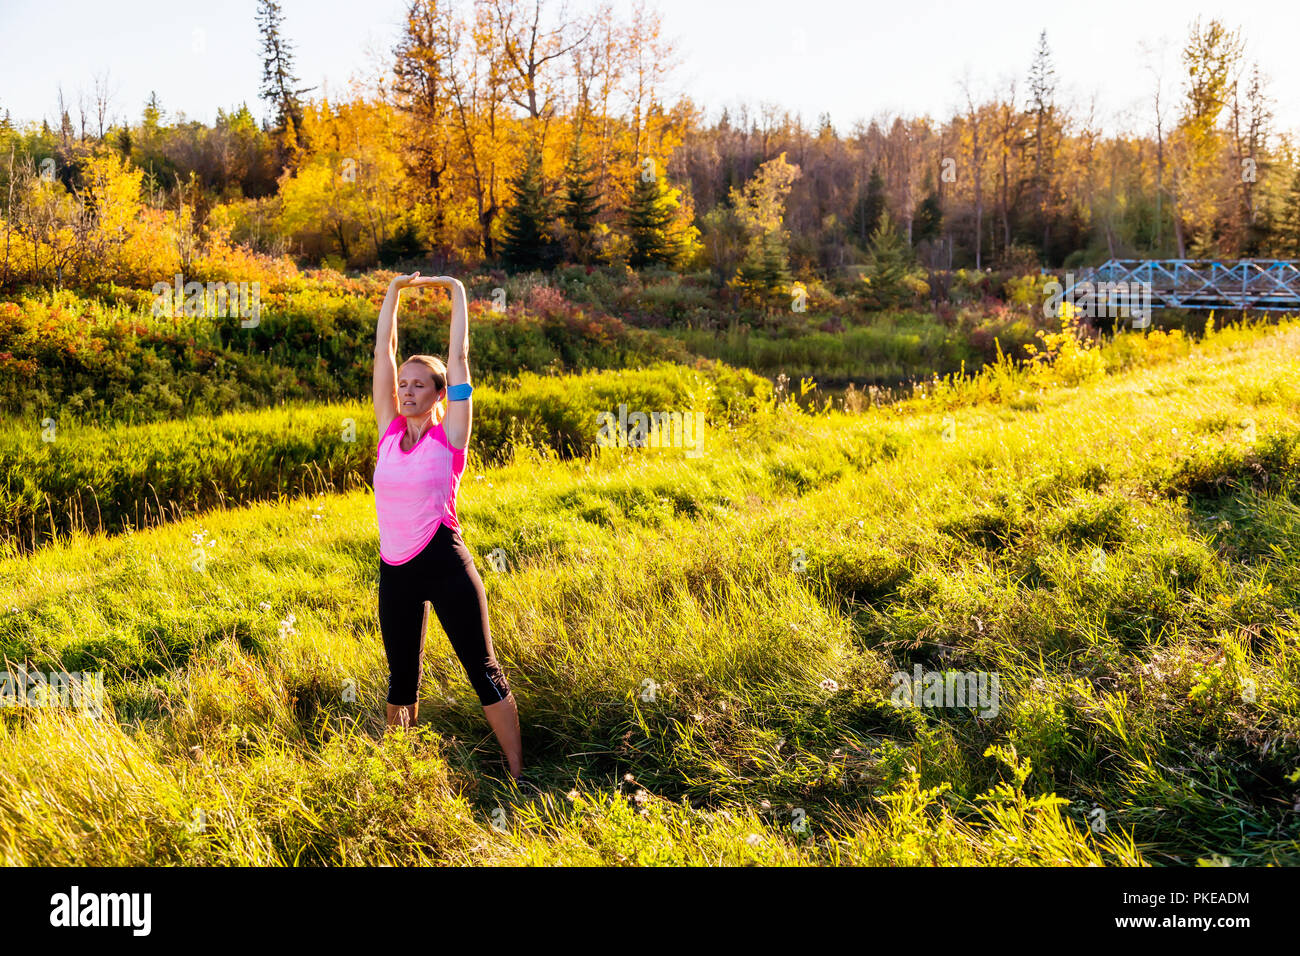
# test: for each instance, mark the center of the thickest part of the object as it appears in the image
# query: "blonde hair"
(434, 364)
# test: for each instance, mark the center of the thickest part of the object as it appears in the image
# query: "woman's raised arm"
(385, 377)
(459, 416)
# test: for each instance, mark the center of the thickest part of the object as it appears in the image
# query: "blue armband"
(458, 393)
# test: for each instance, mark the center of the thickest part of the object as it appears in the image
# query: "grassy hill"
(703, 649)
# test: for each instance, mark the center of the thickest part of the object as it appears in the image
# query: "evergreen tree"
(526, 221)
(403, 244)
(889, 261)
(278, 80)
(650, 221)
(581, 204)
(867, 210)
(151, 121)
(1042, 103)
(765, 265)
(1288, 226)
(927, 219)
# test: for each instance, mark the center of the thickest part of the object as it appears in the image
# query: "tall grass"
(889, 351)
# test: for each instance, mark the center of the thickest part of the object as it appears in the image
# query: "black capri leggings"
(444, 575)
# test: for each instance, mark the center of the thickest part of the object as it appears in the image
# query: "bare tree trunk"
(9, 205)
(977, 163)
(1160, 179)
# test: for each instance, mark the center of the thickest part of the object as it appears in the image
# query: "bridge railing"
(1271, 285)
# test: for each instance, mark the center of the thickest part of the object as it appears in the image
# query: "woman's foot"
(522, 782)
(402, 717)
(503, 718)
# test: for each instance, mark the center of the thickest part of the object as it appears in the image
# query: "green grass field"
(702, 648)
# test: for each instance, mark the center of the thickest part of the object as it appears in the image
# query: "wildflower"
(287, 626)
(573, 795)
(265, 606)
(753, 839)
(829, 685)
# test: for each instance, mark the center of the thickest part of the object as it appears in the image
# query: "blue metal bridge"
(1265, 285)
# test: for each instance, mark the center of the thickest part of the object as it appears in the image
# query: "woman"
(420, 459)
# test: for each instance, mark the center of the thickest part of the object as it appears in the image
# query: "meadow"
(703, 649)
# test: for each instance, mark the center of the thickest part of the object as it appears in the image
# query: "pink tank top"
(415, 491)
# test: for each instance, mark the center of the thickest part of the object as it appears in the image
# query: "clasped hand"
(417, 281)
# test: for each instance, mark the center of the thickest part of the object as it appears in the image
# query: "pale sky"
(851, 59)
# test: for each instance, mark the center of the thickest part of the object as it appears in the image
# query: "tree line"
(508, 133)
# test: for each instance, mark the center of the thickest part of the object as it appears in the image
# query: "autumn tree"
(974, 128)
(760, 206)
(49, 219)
(534, 45)
(724, 240)
(1158, 110)
(1010, 135)
(1209, 59)
(478, 82)
(1250, 119)
(346, 196)
(422, 62)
